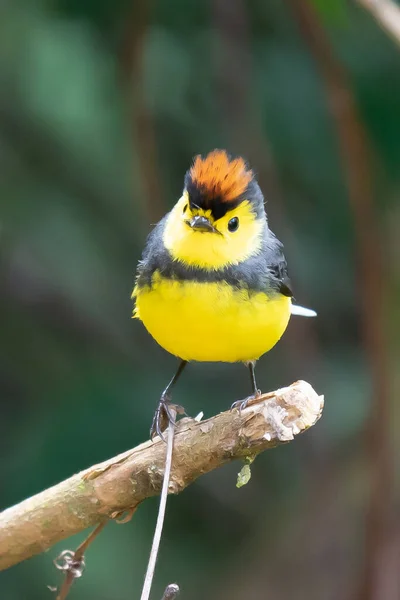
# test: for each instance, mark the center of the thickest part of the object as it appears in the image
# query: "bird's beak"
(201, 224)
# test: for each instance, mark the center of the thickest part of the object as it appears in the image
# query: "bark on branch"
(117, 485)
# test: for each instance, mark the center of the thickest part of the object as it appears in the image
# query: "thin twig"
(161, 510)
(387, 15)
(354, 150)
(74, 567)
(144, 131)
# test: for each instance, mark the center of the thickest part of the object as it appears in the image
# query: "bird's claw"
(163, 416)
(242, 404)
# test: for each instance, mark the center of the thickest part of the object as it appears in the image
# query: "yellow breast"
(211, 321)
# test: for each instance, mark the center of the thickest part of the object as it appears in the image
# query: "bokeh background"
(102, 107)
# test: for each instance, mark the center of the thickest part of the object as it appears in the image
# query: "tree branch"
(121, 483)
(355, 153)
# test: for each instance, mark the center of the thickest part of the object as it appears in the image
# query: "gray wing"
(277, 265)
(152, 255)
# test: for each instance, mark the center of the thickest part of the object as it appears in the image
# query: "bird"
(212, 284)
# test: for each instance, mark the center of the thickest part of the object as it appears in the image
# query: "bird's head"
(220, 218)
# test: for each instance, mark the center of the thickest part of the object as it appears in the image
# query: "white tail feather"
(303, 312)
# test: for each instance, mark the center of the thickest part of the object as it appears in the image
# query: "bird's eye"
(233, 224)
(185, 208)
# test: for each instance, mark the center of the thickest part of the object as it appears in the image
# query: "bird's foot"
(163, 416)
(242, 404)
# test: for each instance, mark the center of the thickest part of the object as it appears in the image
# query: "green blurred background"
(102, 107)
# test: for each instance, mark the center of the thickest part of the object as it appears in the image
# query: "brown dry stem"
(117, 485)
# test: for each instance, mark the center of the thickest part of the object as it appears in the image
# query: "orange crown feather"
(218, 177)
